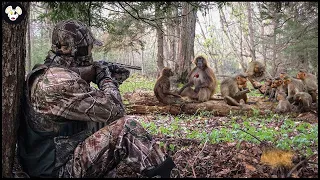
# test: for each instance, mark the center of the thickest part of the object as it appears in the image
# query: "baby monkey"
(283, 105)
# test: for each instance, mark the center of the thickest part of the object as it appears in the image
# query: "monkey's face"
(276, 83)
(242, 82)
(167, 72)
(200, 63)
(286, 81)
(301, 75)
(258, 70)
(282, 75)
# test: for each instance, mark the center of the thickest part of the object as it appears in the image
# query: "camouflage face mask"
(72, 40)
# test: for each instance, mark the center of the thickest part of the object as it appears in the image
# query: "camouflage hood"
(75, 37)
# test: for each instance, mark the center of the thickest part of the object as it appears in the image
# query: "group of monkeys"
(202, 83)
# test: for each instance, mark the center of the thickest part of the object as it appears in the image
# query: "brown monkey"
(310, 81)
(303, 100)
(203, 79)
(282, 75)
(277, 86)
(162, 88)
(266, 89)
(293, 86)
(256, 73)
(232, 89)
(283, 105)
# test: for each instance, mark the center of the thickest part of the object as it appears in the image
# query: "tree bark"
(160, 64)
(274, 41)
(251, 32)
(13, 75)
(177, 38)
(186, 43)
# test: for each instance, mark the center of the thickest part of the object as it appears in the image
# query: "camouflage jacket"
(62, 92)
(58, 105)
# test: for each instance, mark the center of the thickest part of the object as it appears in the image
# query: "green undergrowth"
(282, 131)
(135, 82)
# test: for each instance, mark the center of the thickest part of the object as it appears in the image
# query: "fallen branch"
(194, 174)
(296, 166)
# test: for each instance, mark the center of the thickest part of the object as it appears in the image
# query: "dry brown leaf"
(249, 167)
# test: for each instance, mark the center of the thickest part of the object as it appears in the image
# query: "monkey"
(202, 78)
(232, 89)
(293, 86)
(266, 89)
(277, 86)
(282, 75)
(283, 105)
(303, 100)
(162, 88)
(310, 81)
(256, 73)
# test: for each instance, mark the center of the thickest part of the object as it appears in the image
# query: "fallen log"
(217, 108)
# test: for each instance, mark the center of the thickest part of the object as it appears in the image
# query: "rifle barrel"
(123, 65)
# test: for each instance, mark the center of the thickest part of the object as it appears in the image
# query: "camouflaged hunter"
(55, 136)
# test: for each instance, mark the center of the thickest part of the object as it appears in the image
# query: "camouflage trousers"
(123, 140)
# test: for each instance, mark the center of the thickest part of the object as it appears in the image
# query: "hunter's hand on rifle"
(118, 73)
(102, 73)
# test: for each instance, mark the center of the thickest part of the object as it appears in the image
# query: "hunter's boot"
(163, 170)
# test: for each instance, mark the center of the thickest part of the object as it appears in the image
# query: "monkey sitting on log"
(256, 73)
(310, 81)
(162, 88)
(283, 105)
(293, 86)
(303, 100)
(233, 89)
(203, 79)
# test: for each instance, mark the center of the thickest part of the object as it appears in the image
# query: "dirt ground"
(224, 160)
(195, 160)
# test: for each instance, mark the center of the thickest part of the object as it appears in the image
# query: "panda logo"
(13, 13)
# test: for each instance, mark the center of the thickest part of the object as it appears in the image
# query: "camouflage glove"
(102, 73)
(118, 73)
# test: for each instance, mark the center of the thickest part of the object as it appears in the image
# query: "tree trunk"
(160, 64)
(142, 61)
(186, 43)
(177, 23)
(28, 60)
(274, 42)
(13, 74)
(251, 32)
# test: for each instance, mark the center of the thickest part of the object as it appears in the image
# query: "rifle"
(111, 64)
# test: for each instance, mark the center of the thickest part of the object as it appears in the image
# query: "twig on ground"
(301, 162)
(194, 174)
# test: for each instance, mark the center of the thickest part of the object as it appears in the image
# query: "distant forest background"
(282, 35)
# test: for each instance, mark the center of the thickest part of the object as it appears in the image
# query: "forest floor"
(209, 144)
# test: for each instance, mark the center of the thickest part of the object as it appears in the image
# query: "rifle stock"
(121, 65)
